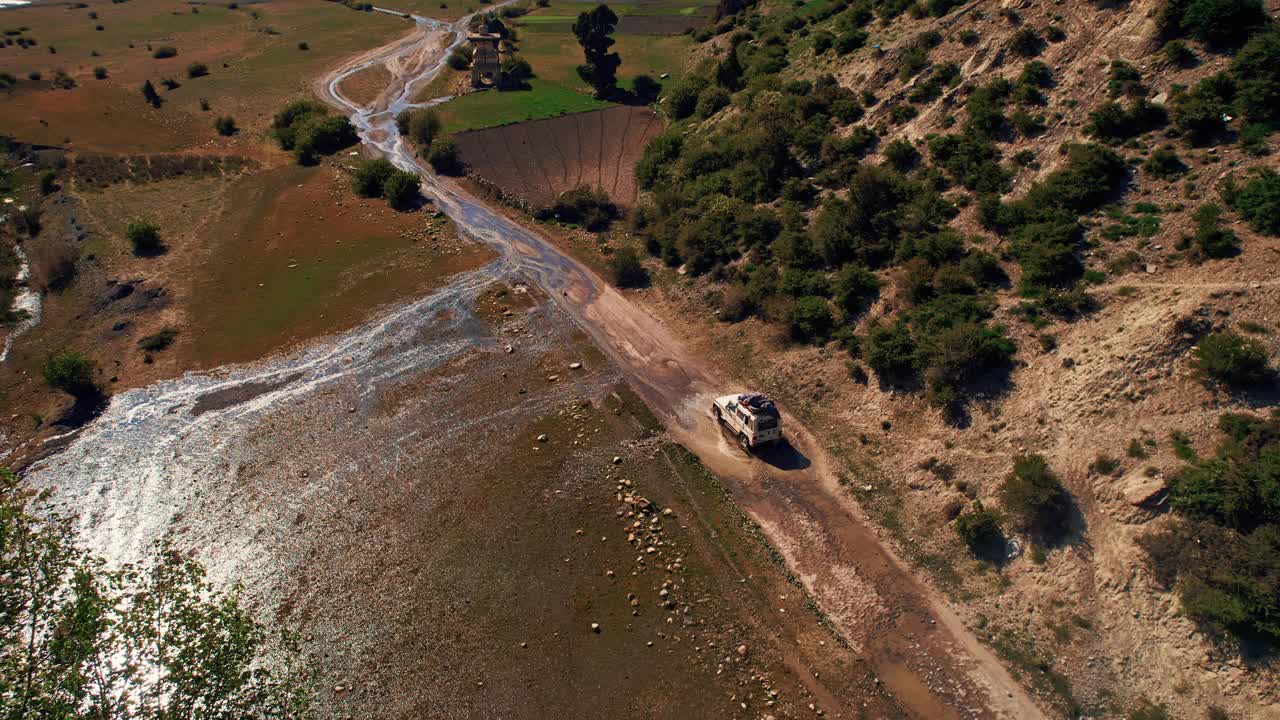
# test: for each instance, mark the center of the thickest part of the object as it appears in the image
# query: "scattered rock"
(575, 366)
(595, 627)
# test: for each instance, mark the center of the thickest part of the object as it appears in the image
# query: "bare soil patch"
(365, 86)
(532, 163)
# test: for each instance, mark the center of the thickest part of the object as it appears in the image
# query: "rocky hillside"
(1018, 260)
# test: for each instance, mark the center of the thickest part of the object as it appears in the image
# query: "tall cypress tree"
(593, 31)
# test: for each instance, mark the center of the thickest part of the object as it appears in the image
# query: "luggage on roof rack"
(758, 402)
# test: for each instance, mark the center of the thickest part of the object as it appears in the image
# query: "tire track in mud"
(577, 124)
(548, 139)
(617, 162)
(522, 188)
(544, 187)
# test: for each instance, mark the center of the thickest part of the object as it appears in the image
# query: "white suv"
(752, 417)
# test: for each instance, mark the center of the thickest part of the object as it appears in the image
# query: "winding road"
(914, 641)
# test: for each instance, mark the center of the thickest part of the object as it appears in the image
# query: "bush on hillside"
(1026, 42)
(625, 269)
(1257, 200)
(901, 154)
(70, 372)
(1165, 164)
(226, 126)
(1198, 112)
(1111, 122)
(1036, 500)
(1256, 71)
(1220, 23)
(1211, 239)
(981, 530)
(197, 70)
(1220, 555)
(890, 350)
(809, 320)
(165, 51)
(1232, 359)
(144, 236)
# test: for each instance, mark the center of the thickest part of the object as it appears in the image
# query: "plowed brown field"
(533, 162)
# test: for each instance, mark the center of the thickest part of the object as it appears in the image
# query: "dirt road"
(917, 645)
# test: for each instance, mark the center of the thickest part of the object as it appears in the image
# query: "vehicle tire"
(715, 413)
(742, 440)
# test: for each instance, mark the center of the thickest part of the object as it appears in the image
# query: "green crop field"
(490, 108)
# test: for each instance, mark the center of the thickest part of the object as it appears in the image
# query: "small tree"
(810, 319)
(445, 157)
(626, 269)
(1035, 498)
(370, 177)
(593, 30)
(980, 529)
(144, 235)
(100, 73)
(71, 373)
(401, 189)
(1232, 359)
(226, 125)
(197, 69)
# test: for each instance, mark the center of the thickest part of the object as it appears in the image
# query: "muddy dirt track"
(917, 646)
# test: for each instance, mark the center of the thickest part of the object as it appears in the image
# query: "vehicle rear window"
(766, 422)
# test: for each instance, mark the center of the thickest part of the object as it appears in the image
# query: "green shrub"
(1256, 71)
(71, 373)
(711, 101)
(1198, 113)
(144, 236)
(1178, 54)
(159, 341)
(1211, 239)
(1112, 123)
(1258, 200)
(1232, 359)
(459, 59)
(981, 531)
(226, 125)
(1124, 79)
(100, 73)
(1221, 554)
(418, 125)
(164, 51)
(969, 37)
(854, 285)
(370, 176)
(890, 350)
(196, 70)
(1036, 499)
(445, 156)
(901, 154)
(1220, 23)
(1165, 164)
(1026, 42)
(1146, 710)
(626, 270)
(809, 319)
(306, 128)
(401, 189)
(583, 206)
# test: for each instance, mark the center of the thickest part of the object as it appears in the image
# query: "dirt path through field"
(917, 645)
